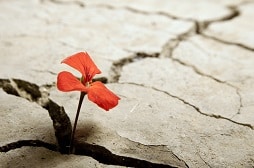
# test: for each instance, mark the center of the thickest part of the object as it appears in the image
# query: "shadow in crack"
(87, 130)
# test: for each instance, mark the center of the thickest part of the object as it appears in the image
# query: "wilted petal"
(104, 98)
(84, 64)
(67, 82)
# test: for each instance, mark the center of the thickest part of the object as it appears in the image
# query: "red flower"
(97, 91)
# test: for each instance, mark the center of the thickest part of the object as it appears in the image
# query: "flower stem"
(82, 95)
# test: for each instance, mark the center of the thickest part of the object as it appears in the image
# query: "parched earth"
(184, 71)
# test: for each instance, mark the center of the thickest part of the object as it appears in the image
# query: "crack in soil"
(62, 127)
(45, 71)
(33, 143)
(168, 53)
(203, 160)
(168, 50)
(171, 45)
(76, 2)
(34, 93)
(240, 100)
(21, 88)
(237, 90)
(196, 70)
(227, 42)
(117, 66)
(99, 153)
(137, 11)
(201, 26)
(191, 105)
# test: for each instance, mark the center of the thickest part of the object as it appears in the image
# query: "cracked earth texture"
(184, 72)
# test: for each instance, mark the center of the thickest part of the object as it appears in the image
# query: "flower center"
(88, 84)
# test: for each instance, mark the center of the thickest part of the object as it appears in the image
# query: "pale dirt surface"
(184, 72)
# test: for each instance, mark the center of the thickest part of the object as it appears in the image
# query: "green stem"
(82, 95)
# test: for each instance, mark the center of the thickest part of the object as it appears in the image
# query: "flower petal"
(84, 64)
(67, 82)
(104, 98)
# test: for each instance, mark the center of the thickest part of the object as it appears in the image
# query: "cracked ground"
(184, 72)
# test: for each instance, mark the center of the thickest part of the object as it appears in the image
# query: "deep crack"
(105, 156)
(62, 127)
(33, 93)
(33, 143)
(99, 153)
